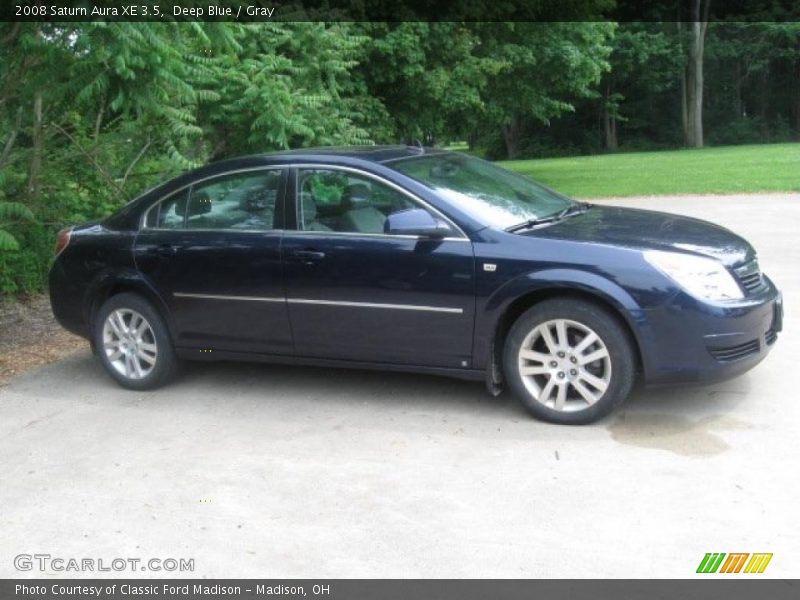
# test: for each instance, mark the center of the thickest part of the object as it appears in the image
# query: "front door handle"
(308, 256)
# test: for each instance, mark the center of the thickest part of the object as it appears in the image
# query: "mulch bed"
(31, 337)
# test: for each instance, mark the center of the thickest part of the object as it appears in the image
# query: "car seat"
(360, 216)
(308, 215)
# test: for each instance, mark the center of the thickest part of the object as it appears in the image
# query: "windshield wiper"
(532, 223)
(572, 209)
(575, 209)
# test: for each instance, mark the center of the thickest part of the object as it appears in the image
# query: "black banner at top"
(399, 10)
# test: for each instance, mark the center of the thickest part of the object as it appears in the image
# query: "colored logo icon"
(736, 562)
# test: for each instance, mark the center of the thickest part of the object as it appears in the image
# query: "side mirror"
(415, 221)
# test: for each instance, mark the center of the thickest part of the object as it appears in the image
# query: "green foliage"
(24, 270)
(10, 211)
(286, 87)
(14, 210)
(644, 60)
(545, 67)
(153, 73)
(327, 190)
(429, 76)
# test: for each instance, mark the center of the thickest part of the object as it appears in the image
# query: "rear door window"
(244, 201)
(239, 201)
(170, 216)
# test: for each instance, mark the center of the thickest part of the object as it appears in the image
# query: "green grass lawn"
(723, 170)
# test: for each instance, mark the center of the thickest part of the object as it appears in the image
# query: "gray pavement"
(266, 471)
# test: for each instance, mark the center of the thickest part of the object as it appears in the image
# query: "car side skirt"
(199, 354)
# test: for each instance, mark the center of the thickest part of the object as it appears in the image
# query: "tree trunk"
(609, 120)
(685, 109)
(763, 100)
(98, 123)
(797, 100)
(763, 104)
(684, 75)
(695, 83)
(472, 139)
(737, 89)
(12, 137)
(36, 147)
(511, 137)
(696, 108)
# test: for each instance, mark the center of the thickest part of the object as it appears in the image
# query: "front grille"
(731, 353)
(749, 276)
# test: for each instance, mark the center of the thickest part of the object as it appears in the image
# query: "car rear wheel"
(569, 361)
(133, 343)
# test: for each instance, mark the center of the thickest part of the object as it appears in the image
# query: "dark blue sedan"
(413, 259)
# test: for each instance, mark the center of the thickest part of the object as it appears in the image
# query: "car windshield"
(489, 194)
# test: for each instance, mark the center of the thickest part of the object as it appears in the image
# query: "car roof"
(343, 155)
(376, 154)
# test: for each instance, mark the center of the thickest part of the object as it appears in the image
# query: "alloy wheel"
(129, 343)
(565, 365)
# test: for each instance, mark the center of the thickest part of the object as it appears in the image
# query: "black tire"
(166, 363)
(622, 365)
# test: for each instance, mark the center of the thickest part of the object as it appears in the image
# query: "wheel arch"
(107, 285)
(577, 285)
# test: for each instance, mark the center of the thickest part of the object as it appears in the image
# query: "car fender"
(554, 280)
(131, 279)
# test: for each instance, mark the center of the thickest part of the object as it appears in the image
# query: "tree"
(643, 63)
(781, 45)
(287, 85)
(545, 67)
(428, 76)
(692, 89)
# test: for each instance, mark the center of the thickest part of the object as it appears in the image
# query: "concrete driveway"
(264, 471)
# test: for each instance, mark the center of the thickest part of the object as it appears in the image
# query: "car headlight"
(702, 277)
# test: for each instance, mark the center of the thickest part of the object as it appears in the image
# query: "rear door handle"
(308, 256)
(164, 250)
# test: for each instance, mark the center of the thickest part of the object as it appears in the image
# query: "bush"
(24, 271)
(751, 130)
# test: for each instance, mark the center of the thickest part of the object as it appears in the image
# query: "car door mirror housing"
(416, 221)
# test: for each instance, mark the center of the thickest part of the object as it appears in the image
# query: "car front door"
(213, 253)
(355, 293)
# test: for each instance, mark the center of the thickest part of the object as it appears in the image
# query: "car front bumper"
(689, 341)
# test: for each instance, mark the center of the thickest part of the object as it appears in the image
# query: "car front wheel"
(133, 343)
(569, 361)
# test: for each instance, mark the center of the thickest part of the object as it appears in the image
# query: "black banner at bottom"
(705, 588)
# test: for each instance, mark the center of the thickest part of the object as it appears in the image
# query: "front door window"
(345, 202)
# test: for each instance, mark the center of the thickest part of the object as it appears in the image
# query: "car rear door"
(213, 253)
(355, 293)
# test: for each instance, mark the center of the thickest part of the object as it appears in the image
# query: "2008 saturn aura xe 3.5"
(413, 259)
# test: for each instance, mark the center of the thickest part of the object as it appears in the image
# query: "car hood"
(650, 230)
